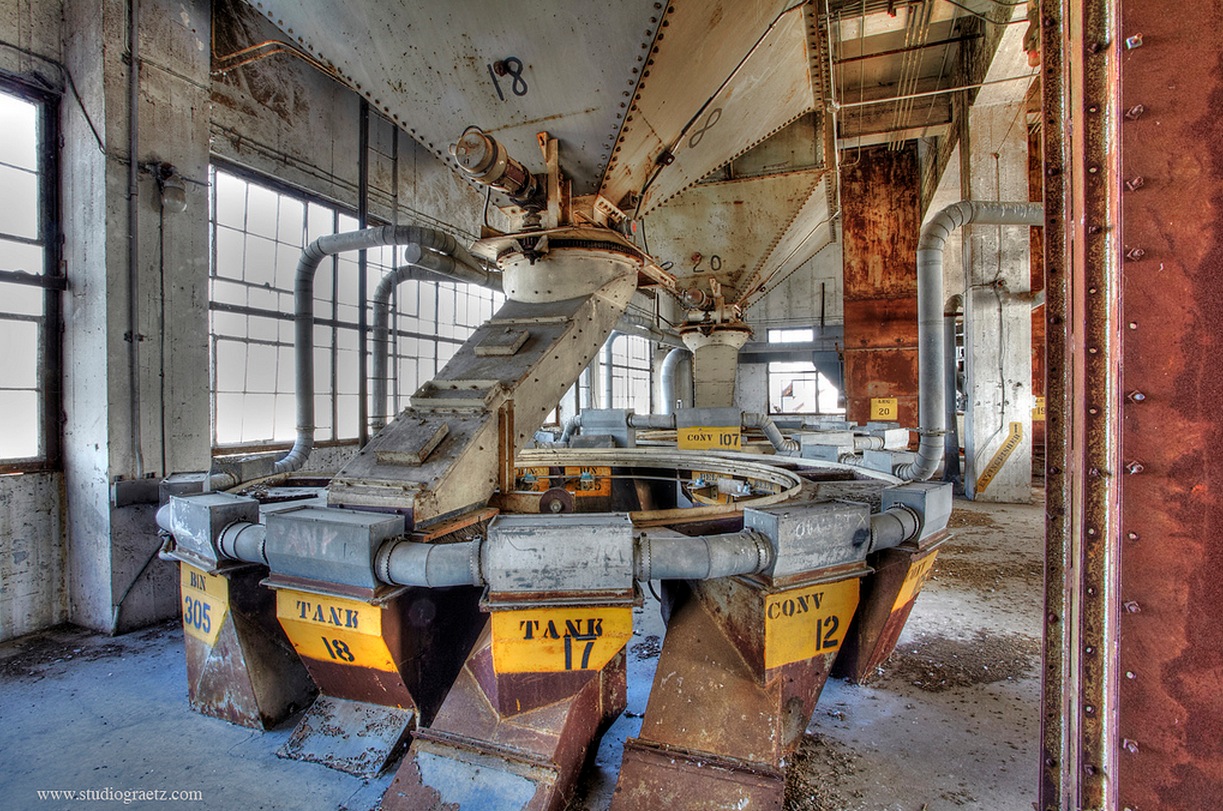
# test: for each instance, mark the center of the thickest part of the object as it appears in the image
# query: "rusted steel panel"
(1095, 409)
(1170, 726)
(250, 676)
(881, 218)
(888, 596)
(1057, 766)
(428, 632)
(508, 741)
(667, 779)
(725, 709)
(1037, 278)
(881, 224)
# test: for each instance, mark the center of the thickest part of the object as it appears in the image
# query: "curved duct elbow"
(410, 563)
(765, 423)
(930, 308)
(572, 426)
(668, 555)
(430, 239)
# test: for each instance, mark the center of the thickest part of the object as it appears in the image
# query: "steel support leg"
(508, 741)
(888, 596)
(240, 666)
(741, 669)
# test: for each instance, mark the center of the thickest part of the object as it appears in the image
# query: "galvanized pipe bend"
(303, 311)
(931, 398)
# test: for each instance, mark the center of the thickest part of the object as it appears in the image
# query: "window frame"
(626, 369)
(439, 346)
(52, 280)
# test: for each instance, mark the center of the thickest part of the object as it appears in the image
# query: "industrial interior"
(569, 407)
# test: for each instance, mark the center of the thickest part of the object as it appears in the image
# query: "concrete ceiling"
(684, 114)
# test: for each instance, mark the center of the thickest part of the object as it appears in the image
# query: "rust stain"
(1172, 640)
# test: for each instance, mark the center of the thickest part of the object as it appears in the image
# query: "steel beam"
(1167, 740)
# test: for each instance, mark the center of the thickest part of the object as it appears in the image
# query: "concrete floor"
(951, 721)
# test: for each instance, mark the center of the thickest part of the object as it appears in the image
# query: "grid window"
(29, 288)
(791, 336)
(631, 372)
(258, 235)
(797, 387)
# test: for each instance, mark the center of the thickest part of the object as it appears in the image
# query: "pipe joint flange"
(475, 562)
(918, 520)
(642, 567)
(764, 551)
(382, 561)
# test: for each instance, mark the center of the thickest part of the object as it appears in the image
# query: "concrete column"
(998, 330)
(115, 582)
(715, 361)
(880, 199)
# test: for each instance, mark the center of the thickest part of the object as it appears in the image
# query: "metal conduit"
(668, 555)
(931, 397)
(893, 526)
(303, 311)
(424, 266)
(766, 424)
(667, 378)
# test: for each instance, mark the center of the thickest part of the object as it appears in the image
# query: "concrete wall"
(796, 301)
(276, 117)
(32, 542)
(32, 553)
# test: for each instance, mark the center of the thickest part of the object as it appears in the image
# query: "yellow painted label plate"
(333, 629)
(205, 603)
(552, 640)
(596, 483)
(709, 438)
(884, 409)
(806, 622)
(1013, 440)
(918, 574)
(1038, 411)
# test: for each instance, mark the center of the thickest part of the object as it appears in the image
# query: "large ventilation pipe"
(608, 356)
(303, 310)
(931, 368)
(424, 266)
(669, 379)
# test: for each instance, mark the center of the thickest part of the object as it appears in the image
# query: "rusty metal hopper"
(651, 104)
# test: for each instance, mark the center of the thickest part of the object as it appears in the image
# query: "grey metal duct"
(765, 423)
(303, 311)
(608, 354)
(931, 369)
(668, 555)
(660, 554)
(668, 378)
(424, 266)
